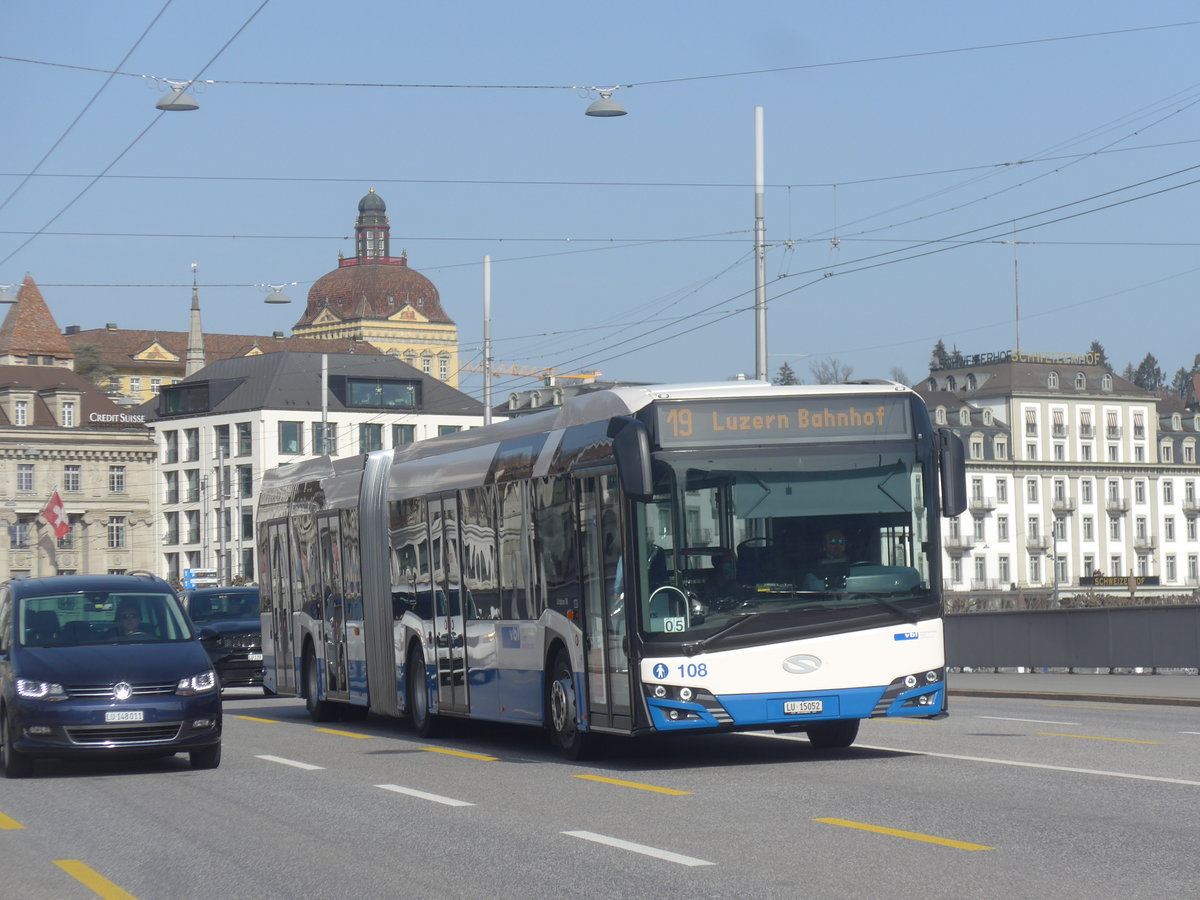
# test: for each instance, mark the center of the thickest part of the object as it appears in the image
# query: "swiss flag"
(56, 516)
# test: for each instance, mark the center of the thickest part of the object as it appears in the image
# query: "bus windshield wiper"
(691, 648)
(885, 601)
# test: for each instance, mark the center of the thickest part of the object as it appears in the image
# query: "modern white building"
(219, 429)
(1078, 480)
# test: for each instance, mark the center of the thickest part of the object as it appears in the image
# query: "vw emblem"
(122, 690)
(801, 665)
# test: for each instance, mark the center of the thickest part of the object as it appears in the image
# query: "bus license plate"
(802, 707)
(124, 715)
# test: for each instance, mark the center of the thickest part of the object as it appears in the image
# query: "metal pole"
(487, 340)
(223, 559)
(325, 405)
(1054, 533)
(760, 255)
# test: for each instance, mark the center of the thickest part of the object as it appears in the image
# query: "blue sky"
(624, 244)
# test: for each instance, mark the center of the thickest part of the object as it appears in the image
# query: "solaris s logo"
(801, 664)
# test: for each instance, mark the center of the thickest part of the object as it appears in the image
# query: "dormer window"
(933, 384)
(964, 416)
(1080, 381)
(68, 414)
(972, 382)
(1052, 380)
(987, 417)
(939, 415)
(21, 412)
(951, 384)
(1106, 382)
(1176, 422)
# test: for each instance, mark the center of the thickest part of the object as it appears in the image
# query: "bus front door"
(450, 630)
(334, 607)
(608, 684)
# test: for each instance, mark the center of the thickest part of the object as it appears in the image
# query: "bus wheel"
(424, 724)
(833, 735)
(562, 709)
(318, 710)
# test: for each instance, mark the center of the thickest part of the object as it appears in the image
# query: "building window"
(964, 416)
(976, 448)
(289, 438)
(1035, 569)
(25, 476)
(1001, 490)
(1003, 571)
(1031, 489)
(1168, 492)
(243, 436)
(319, 445)
(1192, 565)
(978, 535)
(135, 384)
(247, 523)
(67, 541)
(1169, 528)
(1139, 454)
(956, 571)
(980, 571)
(939, 415)
(448, 429)
(193, 528)
(1052, 380)
(1001, 448)
(1166, 452)
(1080, 381)
(443, 368)
(427, 364)
(68, 414)
(116, 533)
(1139, 491)
(1031, 429)
(1089, 564)
(1143, 565)
(1114, 565)
(21, 412)
(1002, 528)
(1189, 453)
(1171, 573)
(1114, 453)
(171, 446)
(1088, 528)
(977, 489)
(1191, 528)
(1060, 528)
(155, 385)
(1032, 528)
(116, 479)
(403, 434)
(1114, 528)
(245, 476)
(172, 530)
(1060, 452)
(1085, 452)
(172, 487)
(1106, 382)
(1139, 528)
(1085, 490)
(987, 417)
(370, 437)
(191, 441)
(72, 478)
(193, 485)
(222, 435)
(1031, 451)
(1189, 492)
(1114, 491)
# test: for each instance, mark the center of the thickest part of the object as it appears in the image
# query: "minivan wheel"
(16, 763)
(208, 758)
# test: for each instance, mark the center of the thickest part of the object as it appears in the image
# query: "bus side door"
(449, 629)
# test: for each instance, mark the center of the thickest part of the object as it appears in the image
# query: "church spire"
(195, 344)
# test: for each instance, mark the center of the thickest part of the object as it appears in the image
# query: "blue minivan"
(102, 666)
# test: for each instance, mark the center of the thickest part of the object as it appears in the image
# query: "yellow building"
(375, 297)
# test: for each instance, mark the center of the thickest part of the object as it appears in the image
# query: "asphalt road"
(1008, 797)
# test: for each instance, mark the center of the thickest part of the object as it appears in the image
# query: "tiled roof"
(119, 347)
(45, 380)
(30, 329)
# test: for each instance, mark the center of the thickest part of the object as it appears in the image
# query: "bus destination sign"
(781, 420)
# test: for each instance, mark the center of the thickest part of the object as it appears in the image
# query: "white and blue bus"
(638, 560)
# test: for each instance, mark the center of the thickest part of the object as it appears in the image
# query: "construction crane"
(548, 376)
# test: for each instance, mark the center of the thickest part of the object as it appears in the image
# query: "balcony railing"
(1063, 504)
(982, 502)
(1145, 542)
(958, 544)
(1087, 431)
(1191, 506)
(1037, 542)
(1116, 504)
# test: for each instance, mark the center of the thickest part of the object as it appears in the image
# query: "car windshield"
(100, 617)
(223, 606)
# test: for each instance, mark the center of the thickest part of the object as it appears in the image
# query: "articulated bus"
(638, 560)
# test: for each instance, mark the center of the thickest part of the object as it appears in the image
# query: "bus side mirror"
(952, 470)
(631, 449)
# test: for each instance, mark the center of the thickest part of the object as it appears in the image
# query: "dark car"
(102, 666)
(227, 621)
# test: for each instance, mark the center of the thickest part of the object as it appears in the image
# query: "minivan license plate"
(802, 707)
(124, 715)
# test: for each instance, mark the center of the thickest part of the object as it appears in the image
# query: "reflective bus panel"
(777, 568)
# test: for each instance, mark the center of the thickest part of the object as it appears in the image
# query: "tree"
(897, 374)
(830, 371)
(1129, 373)
(1148, 376)
(1181, 384)
(786, 375)
(1101, 356)
(940, 358)
(89, 364)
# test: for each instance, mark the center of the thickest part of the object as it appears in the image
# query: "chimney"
(278, 335)
(111, 326)
(72, 329)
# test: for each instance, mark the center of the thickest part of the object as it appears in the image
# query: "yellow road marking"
(257, 719)
(911, 835)
(93, 879)
(462, 753)
(634, 784)
(1091, 737)
(342, 733)
(7, 824)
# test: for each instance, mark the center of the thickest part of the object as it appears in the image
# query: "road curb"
(1069, 695)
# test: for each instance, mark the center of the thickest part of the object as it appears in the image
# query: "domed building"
(375, 297)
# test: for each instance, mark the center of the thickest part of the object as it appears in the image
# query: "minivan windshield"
(100, 617)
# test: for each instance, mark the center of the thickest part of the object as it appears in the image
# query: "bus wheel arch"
(562, 705)
(836, 734)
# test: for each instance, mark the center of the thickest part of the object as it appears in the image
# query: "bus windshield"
(742, 542)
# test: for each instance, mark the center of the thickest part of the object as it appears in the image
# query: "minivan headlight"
(197, 684)
(40, 690)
